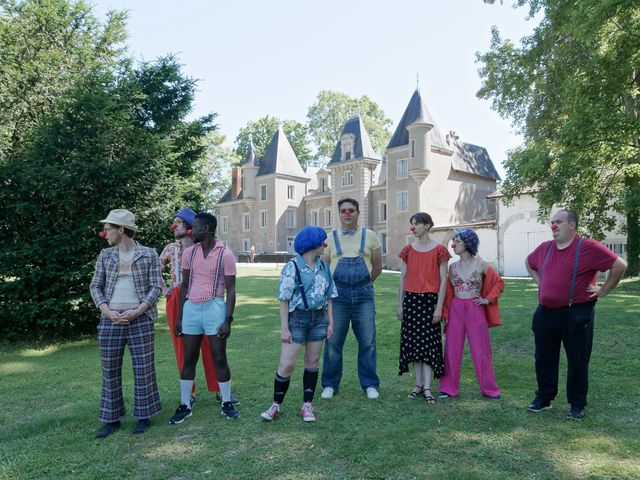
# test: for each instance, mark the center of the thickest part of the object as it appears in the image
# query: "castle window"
(346, 145)
(402, 201)
(263, 193)
(413, 148)
(291, 190)
(402, 168)
(291, 219)
(347, 178)
(263, 218)
(246, 222)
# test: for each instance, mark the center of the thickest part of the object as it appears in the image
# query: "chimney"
(236, 177)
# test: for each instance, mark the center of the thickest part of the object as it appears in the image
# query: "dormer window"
(347, 142)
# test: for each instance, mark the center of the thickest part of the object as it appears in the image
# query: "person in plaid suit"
(125, 288)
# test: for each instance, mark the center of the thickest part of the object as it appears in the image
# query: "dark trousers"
(573, 326)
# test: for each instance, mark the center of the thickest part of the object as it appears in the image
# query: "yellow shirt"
(350, 245)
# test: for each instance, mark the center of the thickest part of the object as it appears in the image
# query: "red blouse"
(423, 268)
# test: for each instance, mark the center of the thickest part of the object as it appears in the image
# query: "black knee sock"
(280, 387)
(309, 381)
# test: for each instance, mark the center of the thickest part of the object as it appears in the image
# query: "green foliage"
(46, 47)
(262, 131)
(217, 169)
(572, 88)
(327, 116)
(115, 137)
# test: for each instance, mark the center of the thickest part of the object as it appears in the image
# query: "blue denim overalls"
(354, 304)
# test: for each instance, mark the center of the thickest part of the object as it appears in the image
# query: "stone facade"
(420, 171)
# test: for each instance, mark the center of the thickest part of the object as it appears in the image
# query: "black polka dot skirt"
(420, 340)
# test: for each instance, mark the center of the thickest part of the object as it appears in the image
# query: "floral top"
(472, 284)
(318, 285)
(172, 256)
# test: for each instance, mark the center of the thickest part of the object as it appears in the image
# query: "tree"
(115, 137)
(327, 116)
(572, 88)
(46, 47)
(217, 169)
(261, 132)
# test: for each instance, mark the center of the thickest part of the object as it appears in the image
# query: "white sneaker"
(372, 393)
(327, 393)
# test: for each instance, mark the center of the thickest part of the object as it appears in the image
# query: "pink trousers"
(467, 319)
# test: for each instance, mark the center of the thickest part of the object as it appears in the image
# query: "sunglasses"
(350, 210)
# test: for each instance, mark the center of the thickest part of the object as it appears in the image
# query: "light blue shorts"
(203, 318)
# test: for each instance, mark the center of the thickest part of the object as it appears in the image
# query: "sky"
(273, 57)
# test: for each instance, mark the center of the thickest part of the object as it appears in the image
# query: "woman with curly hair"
(471, 307)
(423, 278)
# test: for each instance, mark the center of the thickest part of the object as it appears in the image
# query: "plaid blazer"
(145, 268)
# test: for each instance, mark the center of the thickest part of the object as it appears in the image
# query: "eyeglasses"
(350, 210)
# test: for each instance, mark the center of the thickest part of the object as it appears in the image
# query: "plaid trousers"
(139, 335)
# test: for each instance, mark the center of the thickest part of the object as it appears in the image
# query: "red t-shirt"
(555, 286)
(423, 268)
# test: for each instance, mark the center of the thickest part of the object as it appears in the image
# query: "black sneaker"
(576, 413)
(229, 411)
(182, 412)
(107, 430)
(234, 400)
(142, 426)
(443, 395)
(538, 405)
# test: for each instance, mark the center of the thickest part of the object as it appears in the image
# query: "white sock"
(225, 391)
(186, 386)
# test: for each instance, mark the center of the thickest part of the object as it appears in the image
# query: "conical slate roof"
(280, 158)
(416, 111)
(250, 157)
(362, 146)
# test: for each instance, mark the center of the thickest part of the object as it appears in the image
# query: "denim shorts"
(308, 325)
(203, 318)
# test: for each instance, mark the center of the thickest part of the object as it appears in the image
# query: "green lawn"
(50, 396)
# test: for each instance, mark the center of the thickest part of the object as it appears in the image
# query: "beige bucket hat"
(121, 217)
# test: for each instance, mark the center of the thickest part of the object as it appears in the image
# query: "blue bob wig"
(469, 238)
(309, 238)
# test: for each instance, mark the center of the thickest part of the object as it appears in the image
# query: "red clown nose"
(174, 226)
(189, 232)
(554, 227)
(413, 229)
(325, 244)
(102, 234)
(453, 246)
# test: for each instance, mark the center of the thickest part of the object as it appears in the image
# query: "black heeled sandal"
(417, 390)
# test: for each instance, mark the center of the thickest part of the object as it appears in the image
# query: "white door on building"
(520, 239)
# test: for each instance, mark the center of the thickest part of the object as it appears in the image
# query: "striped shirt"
(203, 272)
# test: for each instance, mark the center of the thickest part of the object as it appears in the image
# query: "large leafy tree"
(46, 47)
(573, 89)
(116, 136)
(327, 116)
(261, 132)
(217, 169)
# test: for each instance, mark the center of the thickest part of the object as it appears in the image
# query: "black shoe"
(142, 426)
(107, 430)
(576, 413)
(233, 401)
(538, 405)
(497, 397)
(443, 395)
(229, 411)
(182, 412)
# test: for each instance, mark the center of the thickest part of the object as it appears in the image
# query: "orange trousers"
(173, 301)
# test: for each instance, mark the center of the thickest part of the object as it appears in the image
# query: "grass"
(50, 394)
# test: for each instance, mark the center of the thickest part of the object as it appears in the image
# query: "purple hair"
(469, 238)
